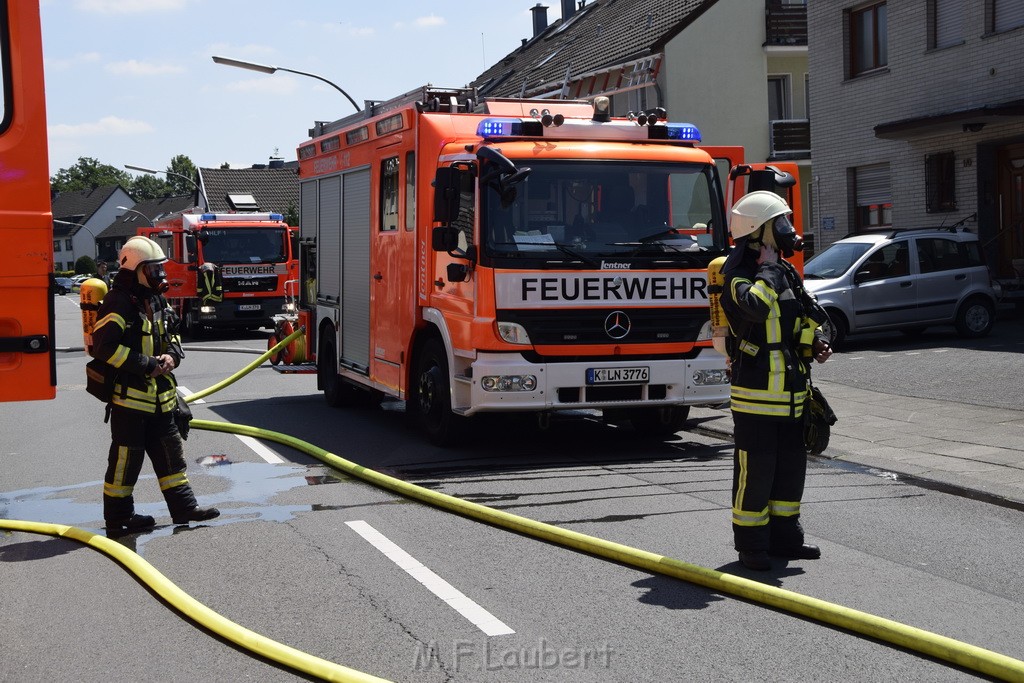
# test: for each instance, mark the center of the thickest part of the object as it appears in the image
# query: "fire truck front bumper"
(240, 312)
(503, 382)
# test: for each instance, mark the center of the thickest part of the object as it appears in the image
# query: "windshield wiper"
(572, 253)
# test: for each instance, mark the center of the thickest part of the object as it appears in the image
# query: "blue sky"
(133, 82)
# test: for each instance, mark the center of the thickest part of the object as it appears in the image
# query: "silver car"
(903, 280)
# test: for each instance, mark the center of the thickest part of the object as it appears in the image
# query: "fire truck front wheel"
(432, 401)
(661, 421)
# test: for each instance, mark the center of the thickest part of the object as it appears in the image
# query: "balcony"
(785, 24)
(790, 139)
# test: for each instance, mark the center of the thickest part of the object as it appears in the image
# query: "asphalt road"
(291, 556)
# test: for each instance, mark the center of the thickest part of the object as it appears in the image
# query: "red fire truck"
(516, 255)
(227, 269)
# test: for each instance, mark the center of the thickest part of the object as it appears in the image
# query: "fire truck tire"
(275, 358)
(661, 421)
(432, 401)
(191, 325)
(334, 389)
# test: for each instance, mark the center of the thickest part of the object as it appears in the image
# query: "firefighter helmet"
(138, 251)
(753, 210)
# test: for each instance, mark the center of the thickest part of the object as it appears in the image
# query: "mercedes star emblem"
(617, 325)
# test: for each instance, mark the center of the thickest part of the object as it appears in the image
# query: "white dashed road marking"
(481, 618)
(257, 447)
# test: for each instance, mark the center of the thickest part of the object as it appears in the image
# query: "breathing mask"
(153, 276)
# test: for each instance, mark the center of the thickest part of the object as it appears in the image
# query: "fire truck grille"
(602, 326)
(261, 283)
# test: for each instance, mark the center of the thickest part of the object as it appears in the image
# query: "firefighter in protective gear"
(133, 339)
(772, 342)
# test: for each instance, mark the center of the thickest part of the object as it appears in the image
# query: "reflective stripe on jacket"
(128, 339)
(772, 340)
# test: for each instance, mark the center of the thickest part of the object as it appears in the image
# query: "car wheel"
(975, 318)
(835, 328)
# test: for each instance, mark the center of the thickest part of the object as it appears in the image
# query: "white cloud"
(65, 63)
(433, 21)
(429, 22)
(270, 84)
(129, 6)
(134, 67)
(108, 125)
(350, 30)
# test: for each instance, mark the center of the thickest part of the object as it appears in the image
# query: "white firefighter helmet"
(753, 210)
(139, 251)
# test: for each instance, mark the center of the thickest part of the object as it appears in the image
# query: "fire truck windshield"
(650, 211)
(245, 245)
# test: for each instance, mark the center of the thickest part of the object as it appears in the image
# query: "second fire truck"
(516, 255)
(227, 269)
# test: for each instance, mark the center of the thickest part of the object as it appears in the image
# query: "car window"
(937, 254)
(970, 252)
(835, 260)
(888, 261)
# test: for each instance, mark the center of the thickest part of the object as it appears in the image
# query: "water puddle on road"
(251, 488)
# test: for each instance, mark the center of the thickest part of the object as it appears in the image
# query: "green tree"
(149, 186)
(88, 174)
(182, 166)
(291, 214)
(84, 265)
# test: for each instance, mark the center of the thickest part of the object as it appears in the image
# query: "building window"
(778, 98)
(1003, 15)
(56, 245)
(410, 191)
(869, 47)
(389, 194)
(872, 197)
(940, 182)
(67, 245)
(945, 23)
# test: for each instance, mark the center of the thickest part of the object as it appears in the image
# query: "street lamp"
(206, 202)
(125, 208)
(265, 69)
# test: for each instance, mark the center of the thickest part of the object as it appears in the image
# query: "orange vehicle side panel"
(26, 222)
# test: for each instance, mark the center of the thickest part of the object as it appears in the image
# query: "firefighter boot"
(755, 559)
(183, 506)
(196, 514)
(787, 540)
(132, 523)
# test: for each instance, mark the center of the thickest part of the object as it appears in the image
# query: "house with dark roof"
(736, 69)
(133, 216)
(272, 187)
(78, 219)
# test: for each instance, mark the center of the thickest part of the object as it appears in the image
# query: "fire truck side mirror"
(447, 182)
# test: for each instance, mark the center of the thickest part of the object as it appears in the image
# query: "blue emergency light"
(508, 128)
(686, 132)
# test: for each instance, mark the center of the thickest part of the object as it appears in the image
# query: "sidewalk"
(963, 446)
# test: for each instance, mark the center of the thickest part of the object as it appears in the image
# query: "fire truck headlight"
(207, 309)
(289, 307)
(705, 332)
(508, 383)
(708, 377)
(513, 333)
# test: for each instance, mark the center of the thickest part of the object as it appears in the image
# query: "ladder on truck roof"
(426, 98)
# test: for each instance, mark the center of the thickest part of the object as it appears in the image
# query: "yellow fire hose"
(940, 647)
